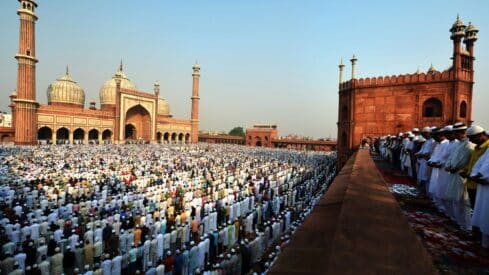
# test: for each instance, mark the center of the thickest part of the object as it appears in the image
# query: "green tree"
(237, 131)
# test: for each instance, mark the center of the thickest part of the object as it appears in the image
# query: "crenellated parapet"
(405, 79)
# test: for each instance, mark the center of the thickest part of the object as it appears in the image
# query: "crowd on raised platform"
(153, 209)
(451, 164)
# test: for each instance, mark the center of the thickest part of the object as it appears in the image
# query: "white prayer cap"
(415, 130)
(459, 126)
(474, 130)
(421, 139)
(436, 129)
(426, 130)
(411, 135)
(400, 134)
(448, 128)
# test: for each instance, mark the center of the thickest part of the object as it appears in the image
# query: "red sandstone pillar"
(117, 128)
(25, 124)
(194, 119)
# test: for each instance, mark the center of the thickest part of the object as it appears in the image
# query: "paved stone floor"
(453, 250)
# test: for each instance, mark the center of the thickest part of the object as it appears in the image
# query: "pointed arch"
(78, 136)
(62, 135)
(93, 134)
(463, 109)
(432, 107)
(44, 133)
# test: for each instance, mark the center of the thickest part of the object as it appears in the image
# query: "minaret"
(458, 32)
(194, 119)
(470, 37)
(156, 88)
(118, 130)
(353, 62)
(25, 103)
(341, 66)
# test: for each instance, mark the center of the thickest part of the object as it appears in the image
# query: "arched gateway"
(138, 124)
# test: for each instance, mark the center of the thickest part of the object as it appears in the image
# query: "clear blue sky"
(262, 61)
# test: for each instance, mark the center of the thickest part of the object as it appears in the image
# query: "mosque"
(126, 114)
(377, 106)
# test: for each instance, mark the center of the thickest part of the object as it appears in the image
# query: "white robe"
(443, 175)
(435, 158)
(480, 217)
(424, 171)
(456, 191)
(116, 265)
(457, 160)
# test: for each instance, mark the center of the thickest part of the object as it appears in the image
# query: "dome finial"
(120, 66)
(67, 70)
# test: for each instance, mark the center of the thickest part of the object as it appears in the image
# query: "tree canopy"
(237, 131)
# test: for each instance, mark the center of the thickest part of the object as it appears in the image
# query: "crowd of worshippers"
(153, 209)
(451, 164)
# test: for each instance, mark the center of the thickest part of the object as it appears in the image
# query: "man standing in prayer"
(437, 158)
(423, 156)
(480, 218)
(477, 136)
(456, 192)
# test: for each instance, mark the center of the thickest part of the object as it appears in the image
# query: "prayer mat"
(453, 250)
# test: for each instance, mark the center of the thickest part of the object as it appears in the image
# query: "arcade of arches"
(172, 137)
(64, 135)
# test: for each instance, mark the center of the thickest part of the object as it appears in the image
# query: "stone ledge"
(356, 228)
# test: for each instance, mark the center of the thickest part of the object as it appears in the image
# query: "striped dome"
(66, 90)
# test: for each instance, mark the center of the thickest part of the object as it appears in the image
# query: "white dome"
(66, 90)
(107, 92)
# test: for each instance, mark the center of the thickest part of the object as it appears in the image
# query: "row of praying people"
(451, 163)
(155, 209)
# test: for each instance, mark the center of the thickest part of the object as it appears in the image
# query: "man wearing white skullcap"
(404, 145)
(408, 154)
(443, 176)
(437, 160)
(460, 210)
(480, 174)
(476, 135)
(424, 171)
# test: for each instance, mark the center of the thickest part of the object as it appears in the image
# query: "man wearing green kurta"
(477, 136)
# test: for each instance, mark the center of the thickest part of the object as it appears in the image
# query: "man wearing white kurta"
(435, 162)
(480, 174)
(456, 192)
(424, 172)
(444, 175)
